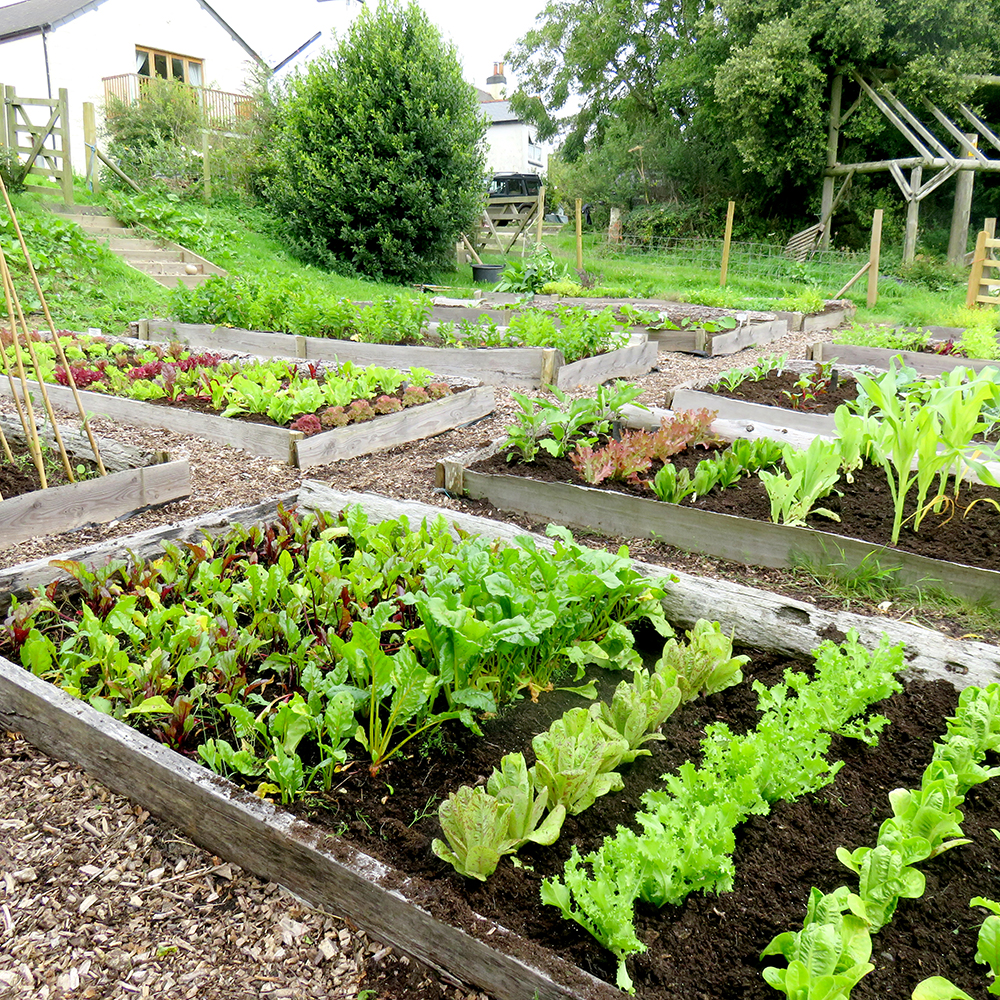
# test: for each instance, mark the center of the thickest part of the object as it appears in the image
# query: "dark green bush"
(380, 166)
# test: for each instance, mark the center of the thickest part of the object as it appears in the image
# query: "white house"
(511, 144)
(97, 48)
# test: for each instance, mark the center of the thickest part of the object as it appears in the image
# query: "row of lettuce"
(921, 432)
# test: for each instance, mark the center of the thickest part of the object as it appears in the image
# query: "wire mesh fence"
(760, 260)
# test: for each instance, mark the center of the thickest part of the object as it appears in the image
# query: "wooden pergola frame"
(933, 154)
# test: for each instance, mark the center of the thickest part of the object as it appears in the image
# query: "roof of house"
(500, 112)
(29, 16)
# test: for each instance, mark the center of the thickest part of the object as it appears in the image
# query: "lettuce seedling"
(924, 818)
(706, 664)
(513, 784)
(476, 825)
(883, 880)
(601, 905)
(829, 956)
(638, 708)
(575, 761)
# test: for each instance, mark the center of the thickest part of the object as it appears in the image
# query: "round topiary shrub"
(380, 162)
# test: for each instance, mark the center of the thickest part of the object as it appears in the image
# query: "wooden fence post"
(91, 174)
(912, 216)
(873, 256)
(579, 234)
(976, 274)
(63, 135)
(727, 239)
(541, 213)
(206, 165)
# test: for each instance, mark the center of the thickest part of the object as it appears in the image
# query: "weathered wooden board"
(524, 367)
(393, 429)
(879, 357)
(723, 536)
(627, 362)
(747, 336)
(737, 409)
(92, 501)
(279, 442)
(243, 829)
(115, 455)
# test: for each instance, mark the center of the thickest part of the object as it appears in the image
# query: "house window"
(168, 66)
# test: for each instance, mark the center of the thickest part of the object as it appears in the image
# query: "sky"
(482, 35)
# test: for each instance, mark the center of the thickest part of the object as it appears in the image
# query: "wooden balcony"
(223, 111)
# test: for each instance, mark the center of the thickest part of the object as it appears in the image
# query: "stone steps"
(164, 262)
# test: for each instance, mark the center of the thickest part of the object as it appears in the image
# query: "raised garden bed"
(135, 480)
(393, 905)
(528, 367)
(558, 495)
(925, 362)
(286, 445)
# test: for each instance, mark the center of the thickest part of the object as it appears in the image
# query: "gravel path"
(98, 899)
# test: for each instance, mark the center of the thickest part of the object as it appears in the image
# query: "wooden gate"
(26, 124)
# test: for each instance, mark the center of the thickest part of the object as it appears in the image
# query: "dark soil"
(708, 948)
(780, 390)
(22, 477)
(865, 507)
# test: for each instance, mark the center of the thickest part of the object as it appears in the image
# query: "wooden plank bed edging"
(737, 409)
(279, 442)
(879, 357)
(63, 508)
(255, 834)
(523, 367)
(723, 536)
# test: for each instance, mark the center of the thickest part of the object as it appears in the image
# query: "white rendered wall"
(509, 151)
(102, 43)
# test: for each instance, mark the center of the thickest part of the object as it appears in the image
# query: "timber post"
(832, 144)
(963, 209)
(579, 234)
(976, 274)
(912, 215)
(873, 256)
(206, 166)
(726, 242)
(91, 174)
(540, 208)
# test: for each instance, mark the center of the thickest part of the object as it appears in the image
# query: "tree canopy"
(741, 83)
(380, 165)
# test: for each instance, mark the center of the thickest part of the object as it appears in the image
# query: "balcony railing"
(223, 111)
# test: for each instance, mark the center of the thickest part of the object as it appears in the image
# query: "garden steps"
(164, 262)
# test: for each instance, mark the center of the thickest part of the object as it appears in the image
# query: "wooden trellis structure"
(943, 151)
(506, 221)
(26, 124)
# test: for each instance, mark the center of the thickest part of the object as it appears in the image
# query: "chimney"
(495, 84)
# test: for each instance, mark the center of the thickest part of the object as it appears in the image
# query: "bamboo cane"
(28, 414)
(48, 319)
(6, 447)
(8, 279)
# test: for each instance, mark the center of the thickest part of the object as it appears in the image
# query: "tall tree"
(749, 75)
(380, 158)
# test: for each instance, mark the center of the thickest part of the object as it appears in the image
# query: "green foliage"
(529, 274)
(380, 167)
(154, 136)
